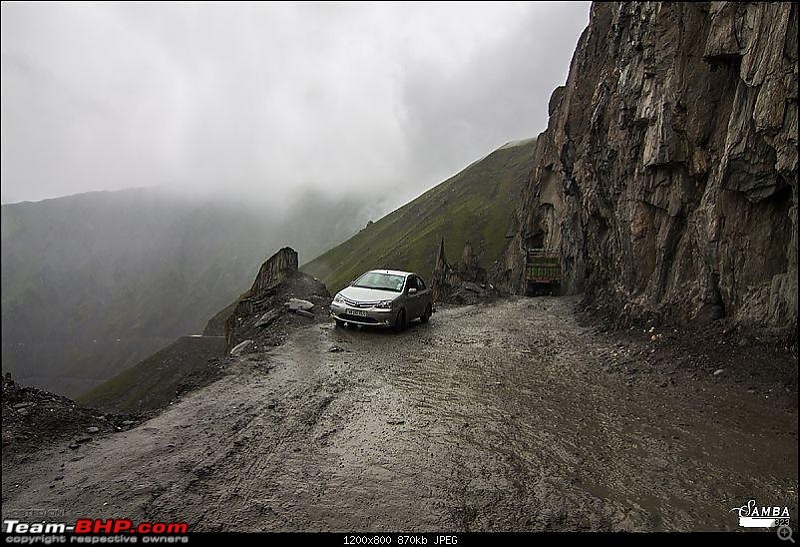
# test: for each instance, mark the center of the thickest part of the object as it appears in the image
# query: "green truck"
(542, 272)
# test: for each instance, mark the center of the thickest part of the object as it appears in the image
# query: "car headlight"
(338, 298)
(385, 304)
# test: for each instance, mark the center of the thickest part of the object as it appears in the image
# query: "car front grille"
(356, 304)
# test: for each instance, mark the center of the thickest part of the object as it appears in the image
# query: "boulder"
(295, 304)
(266, 319)
(240, 348)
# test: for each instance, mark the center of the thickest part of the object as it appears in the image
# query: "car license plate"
(360, 313)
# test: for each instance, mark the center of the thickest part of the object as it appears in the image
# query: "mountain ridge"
(473, 206)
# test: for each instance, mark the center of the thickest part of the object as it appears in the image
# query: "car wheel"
(427, 315)
(400, 321)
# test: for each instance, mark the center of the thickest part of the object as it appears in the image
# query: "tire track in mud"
(493, 417)
(277, 441)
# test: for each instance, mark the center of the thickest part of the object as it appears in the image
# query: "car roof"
(394, 272)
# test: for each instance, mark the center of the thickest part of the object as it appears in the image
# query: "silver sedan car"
(383, 298)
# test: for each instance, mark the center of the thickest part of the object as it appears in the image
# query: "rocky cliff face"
(667, 176)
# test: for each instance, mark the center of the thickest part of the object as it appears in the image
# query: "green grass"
(476, 205)
(126, 383)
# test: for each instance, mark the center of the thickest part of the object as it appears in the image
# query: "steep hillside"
(187, 363)
(667, 176)
(93, 283)
(475, 205)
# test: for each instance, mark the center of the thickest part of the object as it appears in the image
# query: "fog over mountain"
(95, 282)
(267, 100)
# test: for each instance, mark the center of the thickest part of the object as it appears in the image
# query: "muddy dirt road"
(498, 417)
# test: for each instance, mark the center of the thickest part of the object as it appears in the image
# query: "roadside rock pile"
(33, 418)
(463, 284)
(282, 297)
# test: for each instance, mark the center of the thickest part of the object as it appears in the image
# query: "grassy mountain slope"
(93, 283)
(151, 383)
(475, 205)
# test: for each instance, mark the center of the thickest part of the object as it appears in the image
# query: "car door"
(412, 300)
(424, 295)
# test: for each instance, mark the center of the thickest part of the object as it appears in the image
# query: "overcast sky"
(265, 99)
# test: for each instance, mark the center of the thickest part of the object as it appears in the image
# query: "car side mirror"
(412, 290)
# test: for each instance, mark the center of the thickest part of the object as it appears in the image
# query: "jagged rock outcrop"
(275, 270)
(463, 284)
(278, 289)
(667, 176)
(443, 276)
(470, 269)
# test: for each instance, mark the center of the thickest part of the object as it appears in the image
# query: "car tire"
(427, 315)
(400, 321)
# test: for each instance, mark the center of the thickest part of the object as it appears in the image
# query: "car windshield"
(380, 281)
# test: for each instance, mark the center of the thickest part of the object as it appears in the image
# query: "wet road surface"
(499, 417)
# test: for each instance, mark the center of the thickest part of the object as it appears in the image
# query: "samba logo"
(752, 515)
